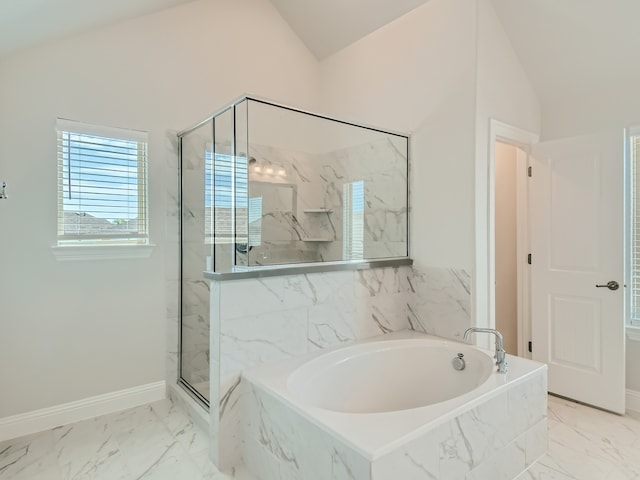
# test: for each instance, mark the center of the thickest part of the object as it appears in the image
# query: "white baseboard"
(633, 400)
(47, 418)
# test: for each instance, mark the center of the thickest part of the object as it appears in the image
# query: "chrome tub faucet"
(501, 355)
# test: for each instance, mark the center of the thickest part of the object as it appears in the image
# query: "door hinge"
(530, 347)
(529, 171)
(529, 259)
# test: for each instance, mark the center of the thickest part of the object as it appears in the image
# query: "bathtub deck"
(500, 427)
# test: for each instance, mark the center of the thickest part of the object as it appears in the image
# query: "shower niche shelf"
(318, 210)
(317, 240)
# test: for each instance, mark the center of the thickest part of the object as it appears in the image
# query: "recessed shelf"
(317, 240)
(318, 210)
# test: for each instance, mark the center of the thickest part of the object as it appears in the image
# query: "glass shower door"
(195, 257)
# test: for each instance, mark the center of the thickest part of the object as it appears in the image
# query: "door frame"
(484, 285)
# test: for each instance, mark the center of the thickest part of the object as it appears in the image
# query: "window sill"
(101, 252)
(633, 333)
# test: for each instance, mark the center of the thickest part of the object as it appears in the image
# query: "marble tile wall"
(319, 180)
(497, 439)
(300, 171)
(291, 315)
(281, 444)
(441, 301)
(382, 165)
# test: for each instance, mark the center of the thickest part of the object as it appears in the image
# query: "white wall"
(417, 75)
(616, 104)
(70, 330)
(503, 89)
(504, 93)
(633, 360)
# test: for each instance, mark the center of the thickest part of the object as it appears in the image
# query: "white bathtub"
(379, 395)
(388, 376)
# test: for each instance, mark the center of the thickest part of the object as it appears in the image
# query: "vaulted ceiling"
(327, 26)
(573, 44)
(25, 23)
(568, 44)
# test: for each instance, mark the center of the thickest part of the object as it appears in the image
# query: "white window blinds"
(102, 184)
(353, 221)
(634, 144)
(227, 194)
(255, 221)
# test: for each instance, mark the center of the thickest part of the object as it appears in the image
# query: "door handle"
(612, 285)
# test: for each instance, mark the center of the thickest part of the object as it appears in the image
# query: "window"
(634, 151)
(353, 222)
(255, 221)
(220, 188)
(102, 185)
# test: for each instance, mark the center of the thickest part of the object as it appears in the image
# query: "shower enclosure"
(267, 185)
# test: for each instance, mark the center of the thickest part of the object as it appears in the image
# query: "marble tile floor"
(587, 444)
(159, 442)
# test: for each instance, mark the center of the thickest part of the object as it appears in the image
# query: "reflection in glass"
(284, 186)
(353, 221)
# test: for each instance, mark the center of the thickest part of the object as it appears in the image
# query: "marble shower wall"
(382, 166)
(291, 315)
(284, 229)
(315, 223)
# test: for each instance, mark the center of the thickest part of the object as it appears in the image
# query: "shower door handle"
(612, 285)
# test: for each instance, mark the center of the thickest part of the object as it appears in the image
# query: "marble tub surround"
(497, 433)
(441, 304)
(289, 316)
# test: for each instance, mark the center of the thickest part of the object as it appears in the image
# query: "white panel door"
(577, 243)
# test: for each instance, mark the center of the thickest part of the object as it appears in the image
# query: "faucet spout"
(501, 355)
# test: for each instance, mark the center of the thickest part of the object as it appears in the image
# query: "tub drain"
(458, 362)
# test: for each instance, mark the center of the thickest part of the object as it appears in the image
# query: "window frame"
(632, 155)
(125, 244)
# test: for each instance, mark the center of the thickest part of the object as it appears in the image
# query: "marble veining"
(584, 444)
(152, 442)
(294, 314)
(319, 179)
(497, 436)
(442, 302)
